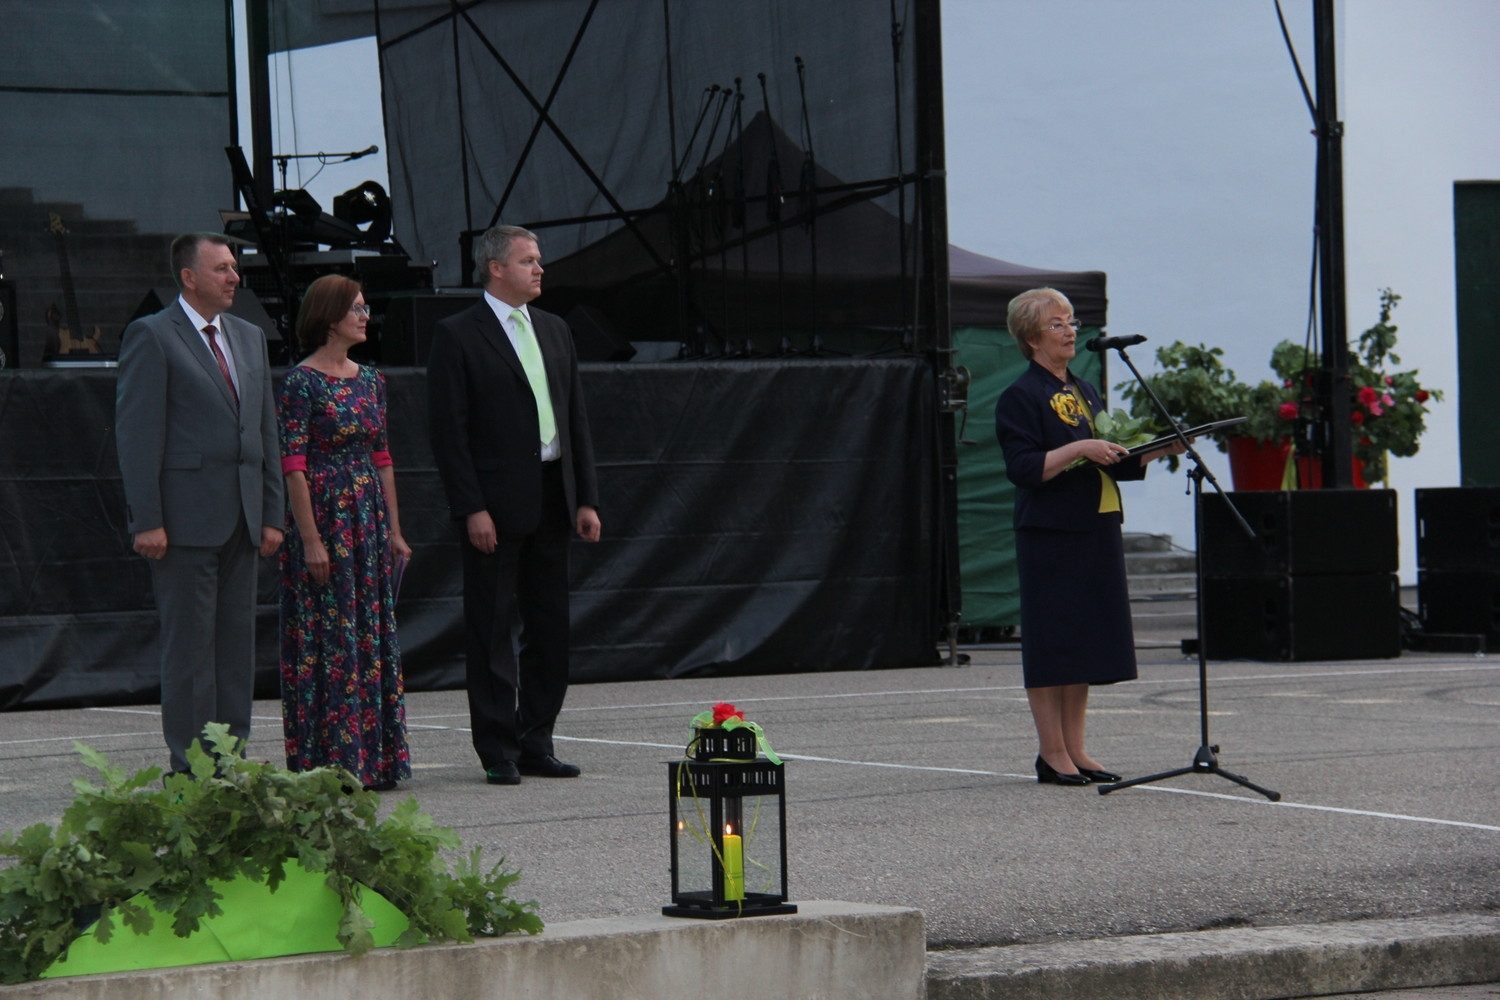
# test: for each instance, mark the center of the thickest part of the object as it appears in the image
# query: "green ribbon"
(705, 720)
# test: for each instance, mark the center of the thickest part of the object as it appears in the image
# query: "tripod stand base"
(1205, 761)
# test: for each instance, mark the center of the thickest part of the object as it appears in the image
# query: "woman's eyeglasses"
(360, 310)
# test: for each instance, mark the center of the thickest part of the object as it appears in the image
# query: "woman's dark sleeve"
(1018, 425)
(1127, 469)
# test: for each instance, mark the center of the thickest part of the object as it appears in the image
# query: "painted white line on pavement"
(1427, 668)
(993, 774)
(1316, 808)
(91, 736)
(1032, 777)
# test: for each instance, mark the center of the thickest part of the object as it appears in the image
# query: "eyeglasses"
(360, 310)
(1057, 325)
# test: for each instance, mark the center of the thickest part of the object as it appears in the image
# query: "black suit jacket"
(483, 422)
(1028, 426)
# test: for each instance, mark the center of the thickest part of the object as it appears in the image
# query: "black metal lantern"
(728, 817)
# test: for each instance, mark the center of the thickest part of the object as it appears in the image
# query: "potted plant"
(1387, 408)
(137, 850)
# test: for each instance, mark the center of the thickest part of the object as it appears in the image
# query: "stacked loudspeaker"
(1458, 561)
(10, 337)
(1318, 582)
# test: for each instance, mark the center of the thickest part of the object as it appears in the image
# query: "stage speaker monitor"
(406, 321)
(594, 336)
(1460, 603)
(1458, 528)
(1301, 532)
(1281, 618)
(246, 306)
(10, 330)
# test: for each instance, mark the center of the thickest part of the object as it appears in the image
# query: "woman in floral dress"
(341, 688)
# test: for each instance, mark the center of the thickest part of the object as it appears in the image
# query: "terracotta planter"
(1260, 465)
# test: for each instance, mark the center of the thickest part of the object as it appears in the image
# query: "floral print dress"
(341, 687)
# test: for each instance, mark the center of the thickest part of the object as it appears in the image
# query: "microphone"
(1099, 344)
(364, 152)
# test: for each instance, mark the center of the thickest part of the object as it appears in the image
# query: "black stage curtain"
(759, 517)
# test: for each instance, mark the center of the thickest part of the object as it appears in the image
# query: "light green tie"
(536, 374)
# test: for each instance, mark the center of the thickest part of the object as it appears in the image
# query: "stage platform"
(759, 516)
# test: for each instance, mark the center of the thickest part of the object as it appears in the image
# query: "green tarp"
(986, 547)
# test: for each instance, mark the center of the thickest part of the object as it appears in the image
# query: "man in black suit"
(195, 428)
(512, 445)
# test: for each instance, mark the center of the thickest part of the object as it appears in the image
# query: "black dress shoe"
(1046, 774)
(503, 773)
(388, 785)
(548, 767)
(1103, 777)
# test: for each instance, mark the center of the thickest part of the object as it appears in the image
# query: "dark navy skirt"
(1075, 606)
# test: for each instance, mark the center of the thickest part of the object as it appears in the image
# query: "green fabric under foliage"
(301, 917)
(986, 543)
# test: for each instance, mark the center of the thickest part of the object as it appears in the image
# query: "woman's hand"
(1075, 453)
(1175, 448)
(316, 557)
(1102, 452)
(399, 548)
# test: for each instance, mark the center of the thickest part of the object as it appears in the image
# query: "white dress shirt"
(551, 450)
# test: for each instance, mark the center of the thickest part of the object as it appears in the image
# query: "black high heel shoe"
(1046, 774)
(1102, 777)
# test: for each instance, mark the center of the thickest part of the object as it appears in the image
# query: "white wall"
(1167, 142)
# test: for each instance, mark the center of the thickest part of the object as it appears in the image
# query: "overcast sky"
(1166, 142)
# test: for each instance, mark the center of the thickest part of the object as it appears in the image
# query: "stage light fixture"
(367, 202)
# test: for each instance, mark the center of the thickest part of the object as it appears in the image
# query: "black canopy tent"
(733, 487)
(648, 142)
(767, 513)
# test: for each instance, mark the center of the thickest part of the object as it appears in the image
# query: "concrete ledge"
(1260, 963)
(827, 951)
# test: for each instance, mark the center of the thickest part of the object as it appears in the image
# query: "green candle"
(734, 865)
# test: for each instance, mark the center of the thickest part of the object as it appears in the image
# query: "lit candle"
(734, 864)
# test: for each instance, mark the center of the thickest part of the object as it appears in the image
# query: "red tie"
(213, 344)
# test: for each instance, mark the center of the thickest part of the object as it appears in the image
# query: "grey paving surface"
(914, 787)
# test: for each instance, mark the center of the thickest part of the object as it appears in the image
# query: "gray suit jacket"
(190, 462)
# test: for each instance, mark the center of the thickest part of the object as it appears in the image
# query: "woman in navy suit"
(1075, 607)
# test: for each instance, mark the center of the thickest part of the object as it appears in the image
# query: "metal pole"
(934, 332)
(1333, 387)
(258, 28)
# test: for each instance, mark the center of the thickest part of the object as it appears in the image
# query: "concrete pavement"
(914, 788)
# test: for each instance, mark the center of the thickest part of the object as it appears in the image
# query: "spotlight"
(367, 202)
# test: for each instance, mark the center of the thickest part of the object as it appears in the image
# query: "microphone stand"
(774, 199)
(1206, 760)
(808, 189)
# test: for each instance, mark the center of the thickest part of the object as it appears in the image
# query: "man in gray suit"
(195, 427)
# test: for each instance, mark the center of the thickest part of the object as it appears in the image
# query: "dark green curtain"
(986, 547)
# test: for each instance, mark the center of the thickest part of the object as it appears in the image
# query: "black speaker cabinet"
(1334, 617)
(1463, 603)
(10, 330)
(594, 337)
(1301, 532)
(406, 323)
(1458, 528)
(247, 306)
